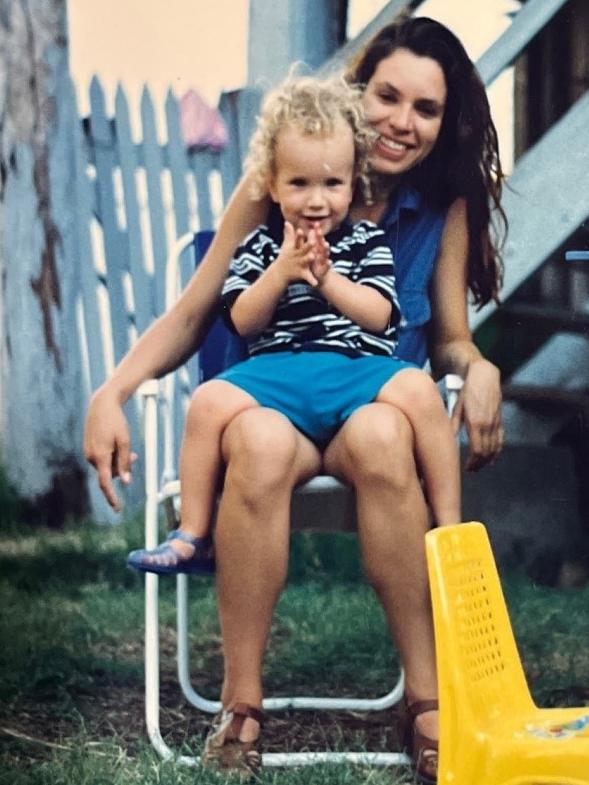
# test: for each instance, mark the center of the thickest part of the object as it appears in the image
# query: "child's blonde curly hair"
(313, 106)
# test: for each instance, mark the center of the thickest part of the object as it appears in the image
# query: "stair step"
(529, 502)
(555, 319)
(557, 397)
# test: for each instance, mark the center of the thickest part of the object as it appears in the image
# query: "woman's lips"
(389, 148)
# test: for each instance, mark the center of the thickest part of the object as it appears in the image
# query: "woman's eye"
(428, 110)
(387, 98)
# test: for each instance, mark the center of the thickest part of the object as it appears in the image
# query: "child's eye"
(332, 182)
(298, 182)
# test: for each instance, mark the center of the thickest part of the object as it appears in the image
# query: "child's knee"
(214, 403)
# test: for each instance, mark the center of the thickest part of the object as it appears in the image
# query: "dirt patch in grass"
(31, 728)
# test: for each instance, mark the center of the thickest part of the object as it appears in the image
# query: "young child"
(316, 300)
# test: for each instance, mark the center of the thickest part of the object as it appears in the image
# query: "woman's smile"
(404, 101)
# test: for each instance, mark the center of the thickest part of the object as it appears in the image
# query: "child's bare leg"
(416, 395)
(212, 407)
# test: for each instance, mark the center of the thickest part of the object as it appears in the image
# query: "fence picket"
(202, 163)
(87, 272)
(143, 296)
(115, 248)
(178, 164)
(248, 105)
(130, 246)
(229, 157)
(152, 157)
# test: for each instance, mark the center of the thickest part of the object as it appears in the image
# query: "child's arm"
(361, 303)
(254, 308)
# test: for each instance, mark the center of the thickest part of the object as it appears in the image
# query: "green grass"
(71, 674)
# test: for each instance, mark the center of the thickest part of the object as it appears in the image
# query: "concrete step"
(529, 501)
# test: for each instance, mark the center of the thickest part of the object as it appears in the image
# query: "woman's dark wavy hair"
(465, 160)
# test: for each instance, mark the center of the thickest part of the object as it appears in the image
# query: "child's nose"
(316, 197)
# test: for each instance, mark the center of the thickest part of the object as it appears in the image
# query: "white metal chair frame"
(152, 391)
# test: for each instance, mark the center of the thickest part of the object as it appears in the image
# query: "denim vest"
(413, 230)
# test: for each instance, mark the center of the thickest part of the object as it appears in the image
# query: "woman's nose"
(401, 118)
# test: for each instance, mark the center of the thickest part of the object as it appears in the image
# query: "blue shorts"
(317, 391)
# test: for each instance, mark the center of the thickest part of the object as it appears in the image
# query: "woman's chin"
(386, 166)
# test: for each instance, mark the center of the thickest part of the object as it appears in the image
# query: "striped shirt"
(304, 320)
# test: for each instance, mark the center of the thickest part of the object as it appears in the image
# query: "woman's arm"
(171, 339)
(453, 350)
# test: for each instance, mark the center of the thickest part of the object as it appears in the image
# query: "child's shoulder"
(257, 238)
(366, 226)
(365, 229)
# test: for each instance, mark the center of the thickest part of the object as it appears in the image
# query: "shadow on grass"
(35, 560)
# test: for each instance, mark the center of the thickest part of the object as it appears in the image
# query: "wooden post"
(41, 404)
(281, 33)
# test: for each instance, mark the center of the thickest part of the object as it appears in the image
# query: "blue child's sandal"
(166, 560)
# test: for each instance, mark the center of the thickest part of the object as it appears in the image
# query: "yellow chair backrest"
(479, 668)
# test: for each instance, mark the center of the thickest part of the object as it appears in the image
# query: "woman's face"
(404, 102)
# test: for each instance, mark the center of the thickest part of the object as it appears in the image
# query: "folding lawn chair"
(491, 732)
(322, 504)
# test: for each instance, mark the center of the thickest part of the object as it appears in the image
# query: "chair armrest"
(452, 384)
(149, 388)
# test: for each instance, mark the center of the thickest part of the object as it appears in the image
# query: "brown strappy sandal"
(422, 749)
(223, 748)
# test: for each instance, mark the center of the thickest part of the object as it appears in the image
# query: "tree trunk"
(41, 401)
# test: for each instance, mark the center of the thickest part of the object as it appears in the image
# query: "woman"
(436, 170)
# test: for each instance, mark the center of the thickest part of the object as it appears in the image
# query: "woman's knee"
(379, 446)
(414, 391)
(260, 448)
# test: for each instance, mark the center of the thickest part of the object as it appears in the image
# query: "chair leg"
(152, 682)
(152, 705)
(190, 693)
(270, 704)
(152, 645)
(152, 676)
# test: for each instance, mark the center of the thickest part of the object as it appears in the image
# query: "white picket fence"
(134, 199)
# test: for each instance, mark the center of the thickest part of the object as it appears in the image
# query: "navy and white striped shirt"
(304, 320)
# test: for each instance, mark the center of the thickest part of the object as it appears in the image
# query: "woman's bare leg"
(414, 393)
(374, 452)
(266, 457)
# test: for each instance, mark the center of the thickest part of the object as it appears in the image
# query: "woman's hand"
(479, 409)
(107, 443)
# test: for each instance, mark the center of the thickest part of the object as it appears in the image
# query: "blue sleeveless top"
(413, 231)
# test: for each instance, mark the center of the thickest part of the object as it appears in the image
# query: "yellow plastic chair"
(491, 731)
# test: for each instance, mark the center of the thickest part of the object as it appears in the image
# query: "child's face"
(314, 177)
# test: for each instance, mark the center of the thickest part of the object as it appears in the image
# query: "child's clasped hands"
(305, 258)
